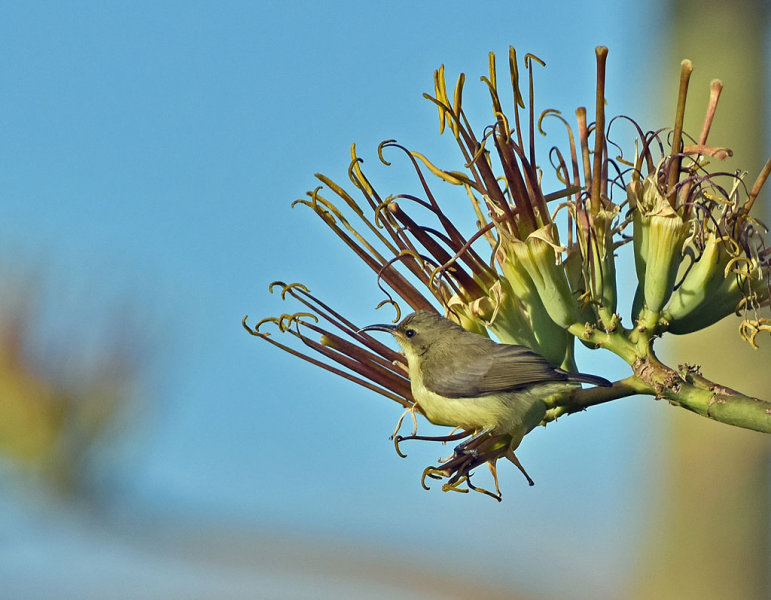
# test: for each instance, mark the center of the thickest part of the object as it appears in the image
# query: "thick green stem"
(730, 408)
(700, 396)
(651, 377)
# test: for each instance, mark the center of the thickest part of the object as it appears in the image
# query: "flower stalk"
(697, 254)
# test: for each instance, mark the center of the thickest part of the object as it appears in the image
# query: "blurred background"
(150, 448)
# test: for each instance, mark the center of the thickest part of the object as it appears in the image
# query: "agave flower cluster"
(541, 266)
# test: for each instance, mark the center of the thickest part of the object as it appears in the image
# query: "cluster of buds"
(698, 253)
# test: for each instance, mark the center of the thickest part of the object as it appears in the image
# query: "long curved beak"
(387, 328)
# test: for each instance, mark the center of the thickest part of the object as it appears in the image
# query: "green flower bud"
(712, 289)
(659, 235)
(545, 336)
(537, 254)
(603, 276)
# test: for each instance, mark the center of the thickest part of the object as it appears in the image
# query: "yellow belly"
(506, 412)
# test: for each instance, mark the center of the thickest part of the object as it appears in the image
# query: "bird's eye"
(410, 333)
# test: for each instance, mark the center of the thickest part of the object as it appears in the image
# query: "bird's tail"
(586, 378)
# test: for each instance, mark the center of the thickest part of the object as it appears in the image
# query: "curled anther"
(314, 204)
(328, 216)
(552, 112)
(744, 270)
(287, 287)
(433, 473)
(439, 272)
(354, 165)
(382, 146)
(730, 245)
(502, 125)
(325, 208)
(253, 330)
(286, 320)
(397, 439)
(379, 220)
(314, 196)
(749, 329)
(391, 302)
(453, 177)
(480, 151)
(454, 486)
(745, 303)
(256, 329)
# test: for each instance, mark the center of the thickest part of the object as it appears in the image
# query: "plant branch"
(688, 389)
(581, 399)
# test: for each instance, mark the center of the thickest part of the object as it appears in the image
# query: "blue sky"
(148, 156)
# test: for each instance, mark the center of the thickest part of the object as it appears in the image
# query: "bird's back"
(467, 365)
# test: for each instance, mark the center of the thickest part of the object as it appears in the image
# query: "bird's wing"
(494, 368)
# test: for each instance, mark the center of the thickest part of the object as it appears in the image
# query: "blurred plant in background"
(541, 267)
(61, 400)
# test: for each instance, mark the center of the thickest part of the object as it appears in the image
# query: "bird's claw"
(461, 450)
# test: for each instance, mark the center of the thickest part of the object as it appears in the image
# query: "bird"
(463, 379)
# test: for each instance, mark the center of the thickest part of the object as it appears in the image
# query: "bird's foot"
(470, 446)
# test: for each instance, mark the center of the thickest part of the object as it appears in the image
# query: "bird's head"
(417, 332)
